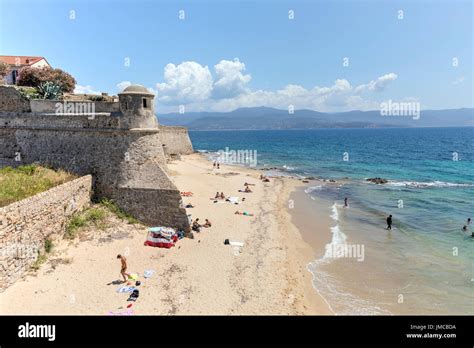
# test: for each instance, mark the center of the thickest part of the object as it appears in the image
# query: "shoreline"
(307, 248)
(200, 276)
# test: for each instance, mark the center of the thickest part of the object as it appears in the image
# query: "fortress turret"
(137, 107)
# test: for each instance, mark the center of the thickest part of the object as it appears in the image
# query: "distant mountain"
(270, 118)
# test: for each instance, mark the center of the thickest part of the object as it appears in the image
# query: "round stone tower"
(137, 107)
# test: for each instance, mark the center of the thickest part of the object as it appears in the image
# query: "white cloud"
(230, 81)
(85, 90)
(187, 82)
(192, 84)
(122, 85)
(378, 84)
(458, 80)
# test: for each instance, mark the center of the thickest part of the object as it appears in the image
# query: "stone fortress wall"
(172, 137)
(119, 143)
(25, 225)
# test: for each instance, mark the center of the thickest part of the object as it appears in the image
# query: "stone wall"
(52, 106)
(13, 101)
(176, 140)
(26, 224)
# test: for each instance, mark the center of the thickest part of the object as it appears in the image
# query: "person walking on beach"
(345, 203)
(214, 165)
(389, 222)
(123, 270)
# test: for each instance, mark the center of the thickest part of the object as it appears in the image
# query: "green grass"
(95, 216)
(112, 207)
(27, 180)
(77, 221)
(48, 245)
(39, 261)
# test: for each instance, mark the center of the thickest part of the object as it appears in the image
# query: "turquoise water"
(426, 264)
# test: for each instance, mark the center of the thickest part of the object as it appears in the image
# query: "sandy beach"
(199, 276)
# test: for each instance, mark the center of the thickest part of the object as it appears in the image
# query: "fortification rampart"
(176, 140)
(26, 225)
(119, 144)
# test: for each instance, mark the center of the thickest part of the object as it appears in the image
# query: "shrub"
(97, 98)
(50, 90)
(39, 261)
(4, 69)
(33, 77)
(112, 206)
(75, 222)
(48, 245)
(95, 214)
(29, 92)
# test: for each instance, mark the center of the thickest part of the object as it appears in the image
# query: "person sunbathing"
(207, 223)
(247, 189)
(247, 184)
(244, 213)
(196, 226)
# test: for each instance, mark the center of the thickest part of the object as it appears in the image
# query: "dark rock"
(377, 180)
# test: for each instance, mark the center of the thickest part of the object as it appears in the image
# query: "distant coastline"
(263, 118)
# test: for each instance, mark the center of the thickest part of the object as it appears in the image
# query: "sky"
(221, 55)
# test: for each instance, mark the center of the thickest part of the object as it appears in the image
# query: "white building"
(15, 63)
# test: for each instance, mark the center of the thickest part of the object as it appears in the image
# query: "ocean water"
(425, 265)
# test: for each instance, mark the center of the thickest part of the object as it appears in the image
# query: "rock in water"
(377, 180)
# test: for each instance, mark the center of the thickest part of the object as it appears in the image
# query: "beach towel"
(133, 276)
(155, 240)
(233, 243)
(148, 273)
(234, 200)
(165, 232)
(124, 289)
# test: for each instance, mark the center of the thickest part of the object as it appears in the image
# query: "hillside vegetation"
(28, 180)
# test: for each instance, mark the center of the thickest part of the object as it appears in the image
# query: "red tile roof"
(20, 60)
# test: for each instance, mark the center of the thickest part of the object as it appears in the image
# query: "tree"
(3, 70)
(34, 77)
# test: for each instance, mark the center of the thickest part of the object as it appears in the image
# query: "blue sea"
(425, 265)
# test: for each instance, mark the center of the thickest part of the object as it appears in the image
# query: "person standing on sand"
(389, 223)
(123, 270)
(345, 203)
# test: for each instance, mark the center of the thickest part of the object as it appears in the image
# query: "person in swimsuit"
(123, 270)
